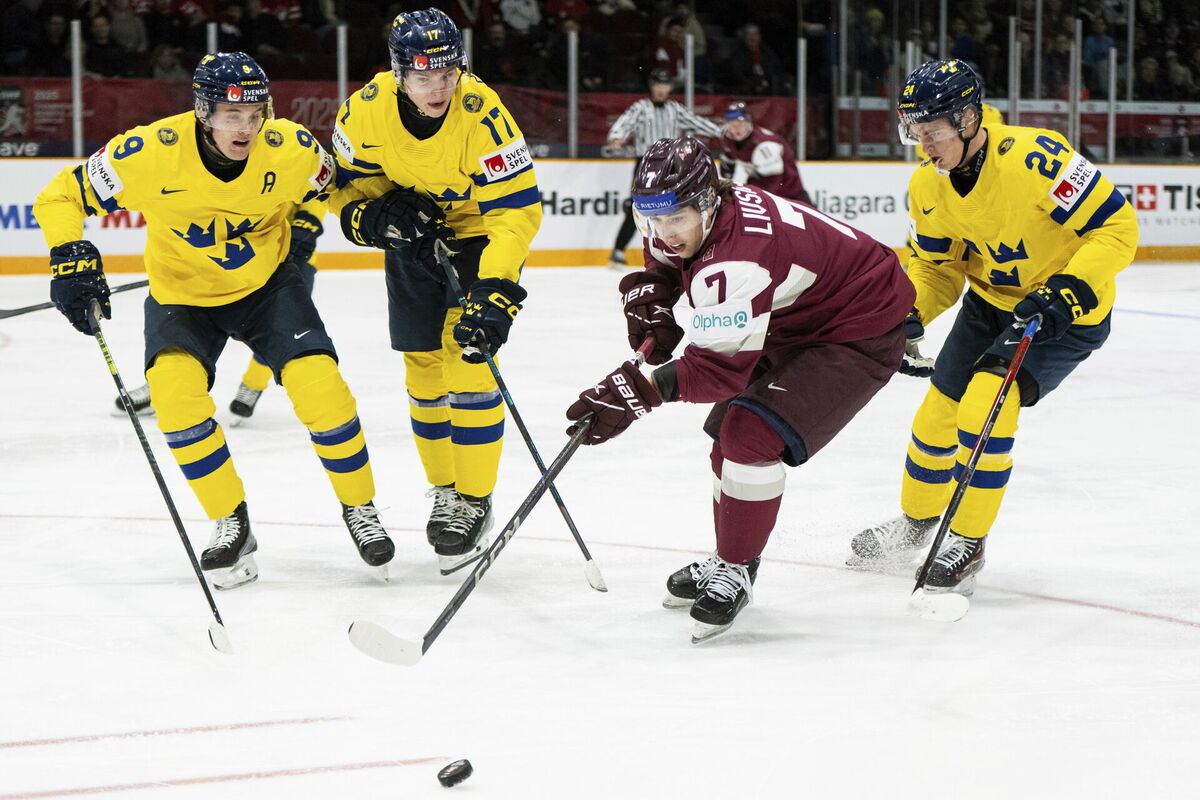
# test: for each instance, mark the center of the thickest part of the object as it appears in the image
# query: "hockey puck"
(455, 772)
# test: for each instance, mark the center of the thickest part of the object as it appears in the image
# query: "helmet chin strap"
(211, 149)
(966, 143)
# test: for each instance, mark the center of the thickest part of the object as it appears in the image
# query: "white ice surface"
(1076, 673)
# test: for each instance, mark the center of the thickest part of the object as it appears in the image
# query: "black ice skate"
(890, 544)
(684, 585)
(727, 591)
(140, 397)
(464, 537)
(956, 565)
(243, 404)
(375, 547)
(229, 559)
(444, 500)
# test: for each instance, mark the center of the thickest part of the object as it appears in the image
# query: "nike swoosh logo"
(927, 211)
(1010, 341)
(172, 191)
(366, 146)
(777, 388)
(301, 335)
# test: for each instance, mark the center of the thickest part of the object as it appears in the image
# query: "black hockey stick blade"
(5, 313)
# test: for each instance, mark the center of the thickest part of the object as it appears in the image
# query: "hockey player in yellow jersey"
(216, 186)
(428, 152)
(1033, 230)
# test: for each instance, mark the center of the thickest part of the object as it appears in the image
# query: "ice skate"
(375, 547)
(684, 585)
(444, 500)
(956, 565)
(728, 589)
(616, 261)
(243, 404)
(140, 397)
(229, 558)
(890, 544)
(464, 538)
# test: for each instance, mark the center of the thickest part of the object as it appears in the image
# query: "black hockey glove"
(391, 221)
(915, 364)
(1061, 301)
(492, 304)
(78, 279)
(423, 252)
(305, 230)
(649, 300)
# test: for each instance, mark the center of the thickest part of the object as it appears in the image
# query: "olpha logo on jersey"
(508, 160)
(707, 322)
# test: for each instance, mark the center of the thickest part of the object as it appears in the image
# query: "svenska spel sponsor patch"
(511, 158)
(104, 179)
(1071, 183)
(341, 143)
(323, 175)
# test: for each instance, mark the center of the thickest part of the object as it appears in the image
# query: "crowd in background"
(743, 47)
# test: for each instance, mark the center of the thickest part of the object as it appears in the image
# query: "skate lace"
(464, 515)
(727, 579)
(227, 532)
(702, 570)
(957, 553)
(246, 395)
(444, 498)
(140, 396)
(363, 522)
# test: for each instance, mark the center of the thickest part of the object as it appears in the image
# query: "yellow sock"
(981, 501)
(429, 414)
(928, 469)
(323, 402)
(179, 391)
(258, 375)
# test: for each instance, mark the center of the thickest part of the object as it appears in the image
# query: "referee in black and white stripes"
(646, 121)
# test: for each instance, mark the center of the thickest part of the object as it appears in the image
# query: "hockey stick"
(5, 313)
(590, 570)
(948, 606)
(379, 643)
(216, 629)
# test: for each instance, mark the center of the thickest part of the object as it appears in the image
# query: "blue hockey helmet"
(422, 40)
(940, 90)
(233, 78)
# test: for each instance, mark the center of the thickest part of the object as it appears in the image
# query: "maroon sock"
(752, 480)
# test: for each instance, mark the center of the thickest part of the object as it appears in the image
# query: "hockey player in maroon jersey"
(755, 156)
(797, 323)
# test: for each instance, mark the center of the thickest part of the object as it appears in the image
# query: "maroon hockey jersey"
(765, 159)
(775, 274)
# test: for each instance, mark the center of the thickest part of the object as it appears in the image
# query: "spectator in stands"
(609, 7)
(593, 58)
(1056, 68)
(288, 12)
(1096, 44)
(165, 66)
(979, 21)
(1149, 83)
(963, 45)
(102, 57)
(164, 25)
(322, 16)
(497, 59)
(128, 30)
(263, 33)
(1180, 86)
(667, 54)
(751, 69)
(870, 52)
(53, 59)
(21, 36)
(523, 16)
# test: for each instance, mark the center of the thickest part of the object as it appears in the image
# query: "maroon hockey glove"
(649, 301)
(623, 396)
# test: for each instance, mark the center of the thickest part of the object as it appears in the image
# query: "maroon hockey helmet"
(675, 174)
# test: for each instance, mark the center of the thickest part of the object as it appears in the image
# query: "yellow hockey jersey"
(208, 242)
(477, 166)
(1037, 209)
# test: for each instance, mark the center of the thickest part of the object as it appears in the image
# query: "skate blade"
(673, 602)
(148, 411)
(381, 572)
(236, 420)
(703, 632)
(241, 573)
(938, 606)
